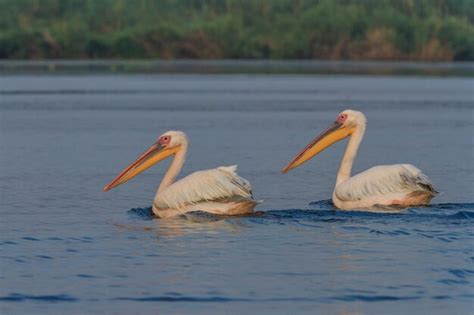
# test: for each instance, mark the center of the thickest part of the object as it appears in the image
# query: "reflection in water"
(186, 224)
(196, 222)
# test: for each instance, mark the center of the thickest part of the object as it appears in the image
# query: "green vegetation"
(217, 29)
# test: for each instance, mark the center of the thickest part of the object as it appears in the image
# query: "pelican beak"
(336, 132)
(153, 155)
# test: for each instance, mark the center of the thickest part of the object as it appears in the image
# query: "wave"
(324, 210)
(16, 297)
(211, 299)
(372, 298)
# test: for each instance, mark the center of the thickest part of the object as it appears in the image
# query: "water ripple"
(372, 298)
(210, 299)
(326, 212)
(462, 273)
(182, 299)
(16, 297)
(141, 213)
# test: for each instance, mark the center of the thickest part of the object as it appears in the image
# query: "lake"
(68, 248)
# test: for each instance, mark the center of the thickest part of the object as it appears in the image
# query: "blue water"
(68, 248)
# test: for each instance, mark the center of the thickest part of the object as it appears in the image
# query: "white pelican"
(386, 185)
(219, 190)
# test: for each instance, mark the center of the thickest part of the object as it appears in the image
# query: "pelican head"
(345, 124)
(168, 144)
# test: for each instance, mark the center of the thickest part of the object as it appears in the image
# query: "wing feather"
(208, 185)
(384, 179)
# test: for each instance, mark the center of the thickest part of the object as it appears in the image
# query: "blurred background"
(421, 30)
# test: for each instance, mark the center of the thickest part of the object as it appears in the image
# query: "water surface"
(67, 247)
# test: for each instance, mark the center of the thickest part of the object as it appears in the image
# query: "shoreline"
(238, 66)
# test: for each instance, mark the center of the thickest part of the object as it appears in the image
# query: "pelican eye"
(164, 140)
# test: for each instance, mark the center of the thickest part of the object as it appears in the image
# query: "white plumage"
(384, 180)
(204, 186)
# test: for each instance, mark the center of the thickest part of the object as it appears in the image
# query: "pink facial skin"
(164, 140)
(341, 118)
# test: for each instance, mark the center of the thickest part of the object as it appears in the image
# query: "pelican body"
(400, 185)
(219, 190)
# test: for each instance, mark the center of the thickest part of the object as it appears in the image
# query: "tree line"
(429, 30)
